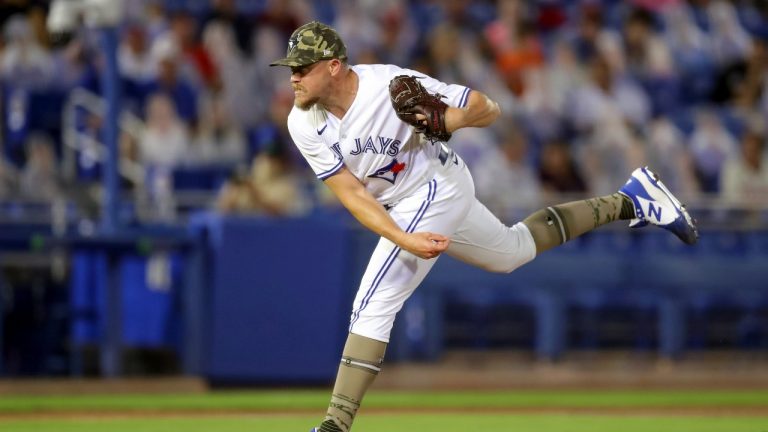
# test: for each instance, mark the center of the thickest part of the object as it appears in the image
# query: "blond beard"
(306, 105)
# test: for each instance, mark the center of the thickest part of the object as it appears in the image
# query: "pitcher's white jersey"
(424, 185)
(382, 151)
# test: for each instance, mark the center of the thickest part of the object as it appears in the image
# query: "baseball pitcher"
(376, 135)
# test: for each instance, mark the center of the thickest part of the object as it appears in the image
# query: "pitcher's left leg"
(391, 277)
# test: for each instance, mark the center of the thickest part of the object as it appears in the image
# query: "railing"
(78, 141)
(75, 140)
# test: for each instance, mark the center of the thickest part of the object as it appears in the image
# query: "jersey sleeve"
(323, 161)
(455, 95)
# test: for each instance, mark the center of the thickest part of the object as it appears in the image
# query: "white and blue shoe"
(314, 429)
(656, 205)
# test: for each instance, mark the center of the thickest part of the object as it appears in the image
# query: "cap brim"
(290, 62)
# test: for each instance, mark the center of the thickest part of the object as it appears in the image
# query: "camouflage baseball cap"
(311, 43)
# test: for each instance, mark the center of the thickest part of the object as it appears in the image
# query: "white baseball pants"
(444, 205)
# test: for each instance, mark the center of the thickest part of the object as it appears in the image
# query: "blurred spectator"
(647, 56)
(163, 145)
(269, 186)
(357, 25)
(389, 34)
(23, 61)
(37, 21)
(740, 83)
(238, 88)
(744, 180)
(668, 156)
(547, 89)
(134, 58)
(170, 82)
(273, 134)
(558, 171)
(155, 19)
(8, 180)
(454, 56)
(589, 31)
(39, 180)
(730, 42)
(165, 140)
(551, 16)
(183, 40)
(608, 154)
(284, 15)
(225, 12)
(711, 145)
(399, 34)
(649, 61)
(515, 44)
(264, 81)
(504, 178)
(692, 53)
(475, 145)
(217, 140)
(462, 13)
(445, 54)
(604, 94)
(72, 64)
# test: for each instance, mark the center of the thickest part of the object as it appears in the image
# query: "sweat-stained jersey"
(382, 151)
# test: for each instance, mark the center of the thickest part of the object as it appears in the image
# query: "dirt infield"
(599, 371)
(67, 386)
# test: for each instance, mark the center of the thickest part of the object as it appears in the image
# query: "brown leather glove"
(409, 98)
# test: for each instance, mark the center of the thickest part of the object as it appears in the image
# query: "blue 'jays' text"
(390, 146)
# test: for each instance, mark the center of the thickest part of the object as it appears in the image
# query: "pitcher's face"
(309, 83)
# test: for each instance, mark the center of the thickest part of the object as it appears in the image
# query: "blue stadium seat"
(664, 94)
(203, 177)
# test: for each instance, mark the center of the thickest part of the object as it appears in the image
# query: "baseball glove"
(410, 98)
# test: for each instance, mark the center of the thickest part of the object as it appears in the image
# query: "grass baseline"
(386, 411)
(288, 400)
(403, 422)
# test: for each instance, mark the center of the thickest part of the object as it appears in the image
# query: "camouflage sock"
(360, 364)
(556, 225)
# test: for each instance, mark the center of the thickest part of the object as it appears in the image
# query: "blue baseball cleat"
(314, 429)
(656, 205)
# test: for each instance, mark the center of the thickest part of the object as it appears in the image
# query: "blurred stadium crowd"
(589, 90)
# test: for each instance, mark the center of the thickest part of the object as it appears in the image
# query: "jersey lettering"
(369, 147)
(357, 149)
(390, 146)
(337, 150)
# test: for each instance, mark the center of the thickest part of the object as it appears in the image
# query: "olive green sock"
(553, 226)
(360, 364)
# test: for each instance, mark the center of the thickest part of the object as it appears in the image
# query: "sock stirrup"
(370, 367)
(558, 221)
(329, 426)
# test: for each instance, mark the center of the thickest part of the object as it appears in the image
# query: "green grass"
(194, 412)
(305, 399)
(405, 423)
